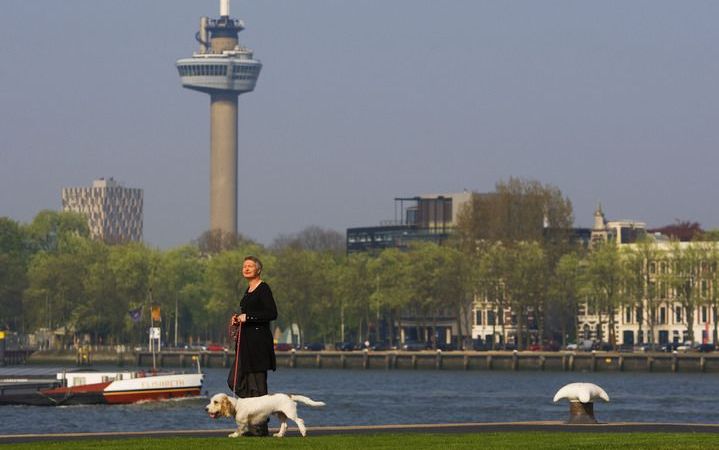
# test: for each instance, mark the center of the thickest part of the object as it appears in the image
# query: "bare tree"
(312, 238)
(216, 241)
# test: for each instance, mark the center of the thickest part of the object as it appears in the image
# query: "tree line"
(513, 250)
(53, 276)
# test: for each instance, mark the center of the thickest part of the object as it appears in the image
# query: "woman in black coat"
(257, 350)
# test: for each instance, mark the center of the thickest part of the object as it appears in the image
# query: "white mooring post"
(581, 405)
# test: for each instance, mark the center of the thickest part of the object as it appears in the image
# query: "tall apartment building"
(114, 212)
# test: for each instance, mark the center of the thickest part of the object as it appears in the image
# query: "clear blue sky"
(362, 101)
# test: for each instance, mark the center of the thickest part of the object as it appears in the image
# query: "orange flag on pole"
(156, 314)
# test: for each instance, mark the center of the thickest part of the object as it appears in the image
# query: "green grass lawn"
(408, 441)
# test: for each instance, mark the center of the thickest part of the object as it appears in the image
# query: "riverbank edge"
(540, 426)
(399, 360)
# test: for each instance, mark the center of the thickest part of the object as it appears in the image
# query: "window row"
(202, 70)
(355, 238)
(705, 267)
(238, 72)
(252, 70)
(243, 77)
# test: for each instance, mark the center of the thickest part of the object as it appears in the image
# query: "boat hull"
(150, 388)
(50, 394)
(158, 387)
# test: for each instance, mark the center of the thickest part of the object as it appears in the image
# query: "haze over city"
(359, 102)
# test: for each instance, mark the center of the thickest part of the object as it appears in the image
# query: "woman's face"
(249, 270)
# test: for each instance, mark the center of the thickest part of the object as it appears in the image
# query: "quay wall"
(401, 360)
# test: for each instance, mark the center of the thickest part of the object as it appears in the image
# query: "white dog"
(256, 410)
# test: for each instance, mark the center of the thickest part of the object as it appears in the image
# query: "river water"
(373, 397)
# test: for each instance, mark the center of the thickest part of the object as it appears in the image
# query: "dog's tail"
(306, 400)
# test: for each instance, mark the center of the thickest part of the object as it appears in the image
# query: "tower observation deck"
(224, 70)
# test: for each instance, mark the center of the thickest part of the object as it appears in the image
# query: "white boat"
(84, 387)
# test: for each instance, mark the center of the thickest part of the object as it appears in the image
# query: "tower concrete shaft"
(223, 69)
(223, 161)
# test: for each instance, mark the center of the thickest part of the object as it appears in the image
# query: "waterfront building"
(661, 319)
(662, 314)
(223, 69)
(114, 212)
(664, 317)
(429, 218)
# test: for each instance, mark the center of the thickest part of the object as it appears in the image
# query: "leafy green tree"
(566, 289)
(49, 227)
(466, 272)
(180, 290)
(354, 288)
(392, 288)
(56, 283)
(326, 306)
(302, 286)
(428, 267)
(525, 284)
(133, 267)
(710, 276)
(101, 311)
(493, 267)
(605, 284)
(709, 236)
(13, 273)
(640, 263)
(683, 279)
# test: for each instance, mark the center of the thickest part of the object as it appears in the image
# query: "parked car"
(585, 345)
(314, 346)
(283, 347)
(706, 347)
(481, 346)
(670, 347)
(345, 346)
(414, 346)
(551, 346)
(688, 346)
(603, 346)
(626, 348)
(534, 347)
(216, 348)
(446, 347)
(653, 348)
(380, 347)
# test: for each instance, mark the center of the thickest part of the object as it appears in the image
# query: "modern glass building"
(430, 218)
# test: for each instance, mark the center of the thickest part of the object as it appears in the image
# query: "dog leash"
(237, 359)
